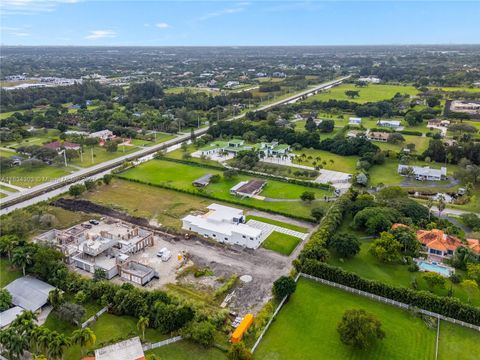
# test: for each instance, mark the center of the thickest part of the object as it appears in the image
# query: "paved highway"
(56, 187)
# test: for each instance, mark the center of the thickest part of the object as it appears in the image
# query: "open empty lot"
(370, 93)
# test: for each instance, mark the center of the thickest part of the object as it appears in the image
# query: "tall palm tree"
(8, 244)
(57, 346)
(43, 339)
(21, 258)
(13, 343)
(85, 338)
(142, 323)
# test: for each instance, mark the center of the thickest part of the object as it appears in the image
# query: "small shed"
(203, 181)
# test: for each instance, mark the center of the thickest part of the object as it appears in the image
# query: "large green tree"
(360, 329)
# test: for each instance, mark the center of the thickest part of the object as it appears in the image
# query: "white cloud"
(162, 25)
(26, 7)
(232, 10)
(15, 31)
(100, 34)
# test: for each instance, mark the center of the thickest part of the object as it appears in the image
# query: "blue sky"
(254, 22)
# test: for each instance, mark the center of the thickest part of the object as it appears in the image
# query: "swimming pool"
(434, 267)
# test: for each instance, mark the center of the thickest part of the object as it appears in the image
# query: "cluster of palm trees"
(317, 161)
(19, 253)
(24, 335)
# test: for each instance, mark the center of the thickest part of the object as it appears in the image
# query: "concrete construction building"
(274, 149)
(130, 349)
(106, 246)
(468, 107)
(423, 173)
(370, 79)
(225, 225)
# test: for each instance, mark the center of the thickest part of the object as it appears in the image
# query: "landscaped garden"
(282, 243)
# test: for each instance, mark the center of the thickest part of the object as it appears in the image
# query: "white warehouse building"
(226, 225)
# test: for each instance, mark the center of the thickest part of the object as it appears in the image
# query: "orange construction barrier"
(240, 330)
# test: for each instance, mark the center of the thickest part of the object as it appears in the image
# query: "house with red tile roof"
(57, 146)
(437, 243)
(474, 244)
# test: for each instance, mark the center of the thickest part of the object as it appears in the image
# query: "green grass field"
(421, 144)
(100, 155)
(180, 176)
(278, 223)
(186, 350)
(327, 159)
(27, 178)
(371, 93)
(7, 272)
(306, 329)
(281, 243)
(456, 342)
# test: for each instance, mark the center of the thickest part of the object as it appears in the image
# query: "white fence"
(391, 302)
(147, 347)
(94, 317)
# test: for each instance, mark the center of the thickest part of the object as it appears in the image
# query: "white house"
(423, 173)
(224, 224)
(354, 121)
(102, 134)
(370, 79)
(389, 123)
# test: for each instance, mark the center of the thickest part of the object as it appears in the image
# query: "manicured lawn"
(180, 176)
(371, 93)
(328, 160)
(457, 342)
(466, 89)
(8, 273)
(306, 328)
(27, 178)
(278, 223)
(282, 243)
(186, 350)
(7, 154)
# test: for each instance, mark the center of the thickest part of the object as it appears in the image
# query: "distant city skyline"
(238, 23)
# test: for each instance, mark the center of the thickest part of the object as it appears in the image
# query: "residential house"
(370, 79)
(378, 136)
(29, 293)
(474, 244)
(389, 123)
(248, 188)
(225, 225)
(57, 146)
(438, 244)
(274, 149)
(423, 173)
(102, 135)
(354, 121)
(130, 349)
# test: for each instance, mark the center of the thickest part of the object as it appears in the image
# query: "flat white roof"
(221, 227)
(29, 293)
(130, 349)
(7, 316)
(223, 212)
(424, 171)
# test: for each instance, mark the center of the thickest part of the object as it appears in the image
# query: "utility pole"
(81, 154)
(91, 153)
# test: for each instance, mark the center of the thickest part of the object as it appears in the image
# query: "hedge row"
(261, 175)
(329, 224)
(411, 132)
(209, 196)
(446, 306)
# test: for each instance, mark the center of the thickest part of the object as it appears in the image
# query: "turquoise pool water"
(426, 266)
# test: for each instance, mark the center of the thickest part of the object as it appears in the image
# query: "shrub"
(359, 329)
(283, 286)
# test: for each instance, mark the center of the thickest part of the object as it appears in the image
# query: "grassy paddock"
(457, 342)
(332, 161)
(7, 272)
(282, 243)
(183, 350)
(306, 328)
